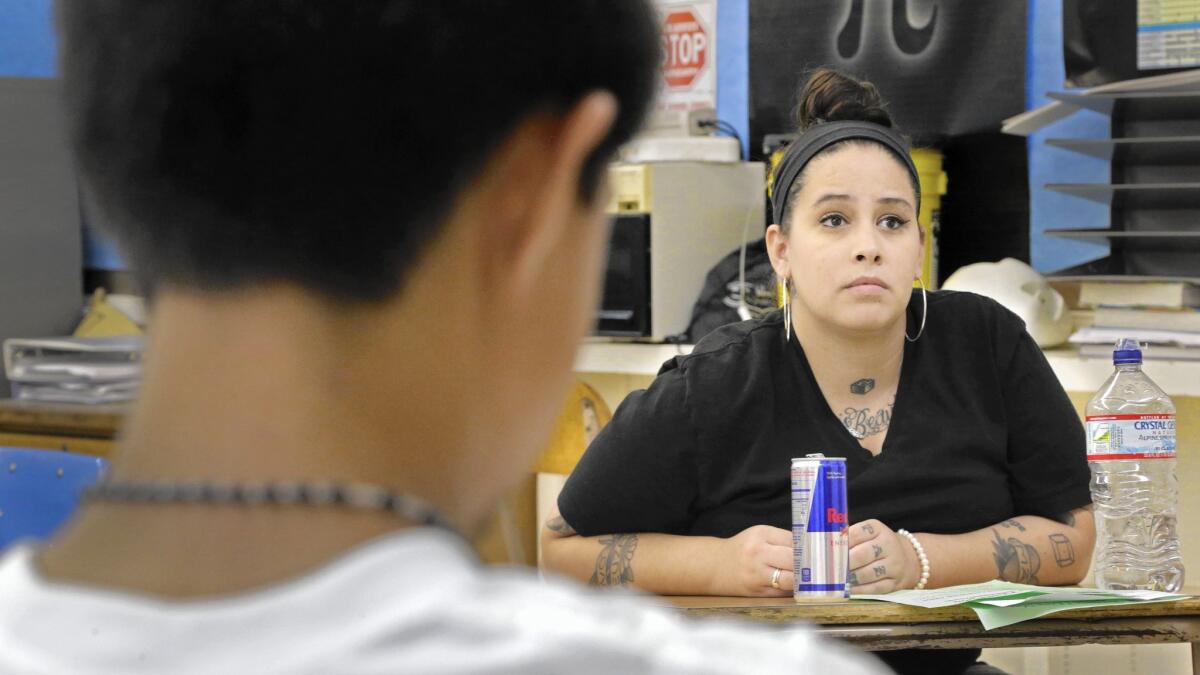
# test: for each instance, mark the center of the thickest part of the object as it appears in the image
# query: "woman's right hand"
(756, 553)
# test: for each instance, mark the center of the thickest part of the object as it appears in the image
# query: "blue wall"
(1051, 210)
(26, 39)
(733, 67)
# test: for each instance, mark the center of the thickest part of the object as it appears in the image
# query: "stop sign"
(685, 45)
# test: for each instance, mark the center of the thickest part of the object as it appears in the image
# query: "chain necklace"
(352, 496)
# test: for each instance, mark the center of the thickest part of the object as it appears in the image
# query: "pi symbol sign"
(909, 39)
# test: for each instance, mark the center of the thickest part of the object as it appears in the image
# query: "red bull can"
(820, 539)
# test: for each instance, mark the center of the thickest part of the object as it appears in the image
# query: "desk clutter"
(1162, 315)
(101, 362)
(88, 370)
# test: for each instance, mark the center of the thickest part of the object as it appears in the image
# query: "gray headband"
(817, 138)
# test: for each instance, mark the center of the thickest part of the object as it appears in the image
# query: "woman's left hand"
(881, 561)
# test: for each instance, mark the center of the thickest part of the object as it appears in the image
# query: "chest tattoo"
(863, 422)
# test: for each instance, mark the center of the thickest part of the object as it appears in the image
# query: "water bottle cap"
(1127, 352)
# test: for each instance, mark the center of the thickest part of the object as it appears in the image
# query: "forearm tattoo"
(614, 565)
(863, 422)
(1015, 560)
(1064, 552)
(557, 524)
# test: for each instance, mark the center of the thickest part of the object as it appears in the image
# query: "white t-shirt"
(411, 602)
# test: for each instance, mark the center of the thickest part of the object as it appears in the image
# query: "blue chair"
(39, 490)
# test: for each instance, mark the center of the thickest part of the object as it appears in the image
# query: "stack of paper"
(74, 370)
(1186, 319)
(1001, 603)
(1163, 315)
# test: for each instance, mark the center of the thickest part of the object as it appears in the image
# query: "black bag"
(719, 299)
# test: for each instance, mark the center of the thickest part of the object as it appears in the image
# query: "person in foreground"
(965, 460)
(375, 232)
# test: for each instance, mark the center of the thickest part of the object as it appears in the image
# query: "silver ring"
(775, 578)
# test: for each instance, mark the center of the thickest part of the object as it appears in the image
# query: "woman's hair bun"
(831, 96)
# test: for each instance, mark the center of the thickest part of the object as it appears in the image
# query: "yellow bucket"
(933, 186)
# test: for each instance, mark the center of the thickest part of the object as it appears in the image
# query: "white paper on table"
(999, 594)
(950, 596)
(1079, 595)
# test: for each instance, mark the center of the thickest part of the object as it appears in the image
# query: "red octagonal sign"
(685, 44)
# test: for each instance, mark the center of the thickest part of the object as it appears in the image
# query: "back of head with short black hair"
(322, 142)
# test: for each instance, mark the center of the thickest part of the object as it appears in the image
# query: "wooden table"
(878, 626)
(89, 429)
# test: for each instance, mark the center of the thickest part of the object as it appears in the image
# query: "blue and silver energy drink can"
(819, 536)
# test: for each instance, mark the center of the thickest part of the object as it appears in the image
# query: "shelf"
(1154, 193)
(1134, 195)
(1139, 105)
(1159, 150)
(1115, 268)
(1174, 235)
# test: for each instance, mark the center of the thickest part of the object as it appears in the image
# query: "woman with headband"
(965, 459)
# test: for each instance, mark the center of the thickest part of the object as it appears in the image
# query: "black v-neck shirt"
(981, 431)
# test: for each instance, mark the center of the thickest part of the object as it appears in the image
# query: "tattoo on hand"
(862, 422)
(1064, 552)
(880, 571)
(1013, 522)
(877, 551)
(853, 579)
(557, 524)
(614, 565)
(1015, 560)
(867, 527)
(863, 386)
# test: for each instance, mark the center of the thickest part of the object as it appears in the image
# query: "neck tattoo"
(862, 386)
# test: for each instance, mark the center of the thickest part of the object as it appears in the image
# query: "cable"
(742, 310)
(721, 126)
(728, 129)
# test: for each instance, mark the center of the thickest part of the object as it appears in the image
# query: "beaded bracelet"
(912, 538)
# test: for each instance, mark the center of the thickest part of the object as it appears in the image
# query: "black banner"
(945, 67)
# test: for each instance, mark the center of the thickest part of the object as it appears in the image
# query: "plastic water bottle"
(1131, 452)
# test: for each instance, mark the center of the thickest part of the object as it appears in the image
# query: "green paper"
(997, 617)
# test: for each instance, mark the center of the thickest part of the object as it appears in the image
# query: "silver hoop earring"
(924, 313)
(787, 310)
